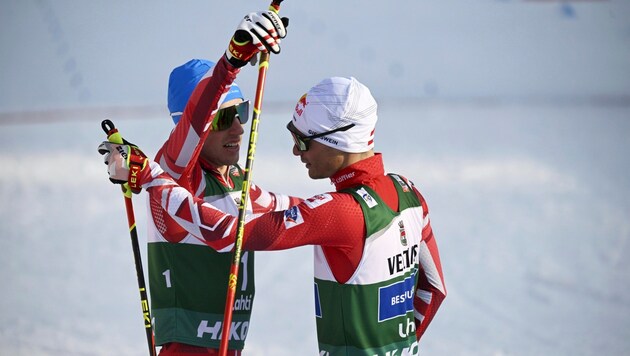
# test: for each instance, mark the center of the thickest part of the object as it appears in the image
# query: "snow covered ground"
(529, 203)
(528, 186)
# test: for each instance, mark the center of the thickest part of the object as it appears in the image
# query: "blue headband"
(183, 81)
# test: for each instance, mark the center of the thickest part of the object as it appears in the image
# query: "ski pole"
(114, 136)
(249, 165)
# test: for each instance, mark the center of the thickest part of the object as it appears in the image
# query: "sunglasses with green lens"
(302, 142)
(224, 118)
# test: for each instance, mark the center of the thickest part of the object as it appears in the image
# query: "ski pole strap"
(275, 6)
(137, 161)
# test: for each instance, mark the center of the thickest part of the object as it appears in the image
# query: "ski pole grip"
(275, 6)
(113, 135)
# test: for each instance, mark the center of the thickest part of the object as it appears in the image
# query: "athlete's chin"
(313, 174)
(230, 159)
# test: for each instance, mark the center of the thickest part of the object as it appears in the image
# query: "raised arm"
(258, 31)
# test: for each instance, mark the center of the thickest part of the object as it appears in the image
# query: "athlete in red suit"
(334, 138)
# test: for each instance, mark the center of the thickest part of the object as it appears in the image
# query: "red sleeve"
(430, 290)
(308, 223)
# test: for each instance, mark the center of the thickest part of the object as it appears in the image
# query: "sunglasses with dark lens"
(302, 142)
(225, 117)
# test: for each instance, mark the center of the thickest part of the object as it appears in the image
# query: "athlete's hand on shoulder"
(124, 163)
(258, 31)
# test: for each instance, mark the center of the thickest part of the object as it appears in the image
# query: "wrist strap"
(137, 161)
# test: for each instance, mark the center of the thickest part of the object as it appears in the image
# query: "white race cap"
(334, 103)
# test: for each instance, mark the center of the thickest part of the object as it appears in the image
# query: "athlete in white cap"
(378, 276)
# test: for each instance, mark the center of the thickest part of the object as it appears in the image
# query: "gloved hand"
(258, 31)
(124, 163)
